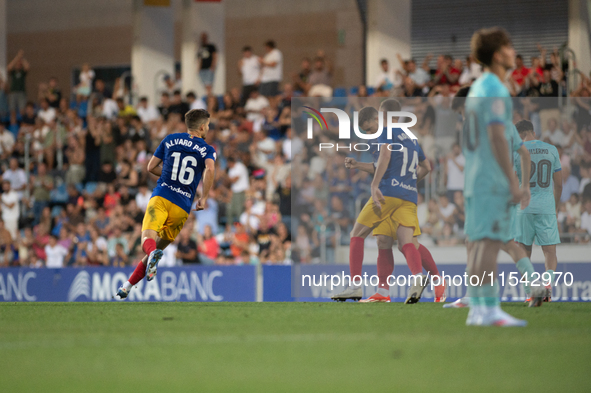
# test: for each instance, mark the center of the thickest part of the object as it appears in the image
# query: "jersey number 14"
(413, 164)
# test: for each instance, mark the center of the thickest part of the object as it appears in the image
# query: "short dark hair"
(366, 114)
(524, 126)
(176, 92)
(195, 118)
(383, 61)
(486, 42)
(191, 95)
(270, 44)
(390, 105)
(144, 99)
(460, 98)
(165, 94)
(247, 48)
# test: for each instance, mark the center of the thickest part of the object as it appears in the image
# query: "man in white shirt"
(417, 74)
(386, 78)
(249, 68)
(147, 113)
(554, 135)
(143, 197)
(47, 113)
(6, 142)
(238, 174)
(586, 217)
(254, 109)
(194, 102)
(56, 253)
(10, 208)
(455, 171)
(16, 176)
(271, 70)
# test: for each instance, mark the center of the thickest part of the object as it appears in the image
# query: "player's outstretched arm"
(525, 173)
(208, 176)
(500, 149)
(351, 163)
(154, 166)
(557, 177)
(424, 169)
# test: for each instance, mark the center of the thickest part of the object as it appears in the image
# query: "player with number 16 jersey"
(185, 159)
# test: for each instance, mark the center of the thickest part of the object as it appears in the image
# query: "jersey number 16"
(186, 174)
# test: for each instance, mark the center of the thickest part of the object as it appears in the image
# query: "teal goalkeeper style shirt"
(488, 102)
(545, 161)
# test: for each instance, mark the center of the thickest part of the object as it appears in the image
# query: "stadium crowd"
(81, 200)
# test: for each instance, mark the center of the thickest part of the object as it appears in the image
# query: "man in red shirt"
(520, 72)
(446, 74)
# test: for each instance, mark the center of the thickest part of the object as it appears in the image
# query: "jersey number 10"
(186, 174)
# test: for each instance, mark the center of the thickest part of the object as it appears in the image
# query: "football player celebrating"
(385, 233)
(399, 163)
(180, 162)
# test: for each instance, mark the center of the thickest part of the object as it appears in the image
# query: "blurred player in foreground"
(538, 221)
(385, 234)
(393, 198)
(186, 158)
(490, 182)
(516, 252)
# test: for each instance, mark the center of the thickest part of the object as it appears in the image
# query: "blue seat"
(370, 91)
(59, 194)
(339, 92)
(90, 187)
(353, 90)
(221, 105)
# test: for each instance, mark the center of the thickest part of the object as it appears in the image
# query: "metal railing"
(323, 239)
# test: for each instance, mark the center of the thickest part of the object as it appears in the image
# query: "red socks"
(356, 257)
(427, 260)
(413, 258)
(149, 246)
(138, 273)
(385, 267)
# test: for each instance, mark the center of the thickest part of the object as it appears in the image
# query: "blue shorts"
(541, 227)
(514, 228)
(206, 76)
(487, 217)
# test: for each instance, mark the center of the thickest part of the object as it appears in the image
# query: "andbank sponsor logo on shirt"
(177, 190)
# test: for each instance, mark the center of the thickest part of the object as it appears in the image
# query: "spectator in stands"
(238, 176)
(570, 184)
(254, 108)
(147, 113)
(40, 187)
(9, 202)
(187, 248)
(320, 78)
(17, 70)
(586, 217)
(177, 105)
(446, 74)
(519, 74)
(208, 56)
(249, 67)
(208, 246)
(446, 210)
(454, 169)
(53, 93)
(553, 134)
(271, 70)
(6, 143)
(194, 102)
(55, 254)
(386, 78)
(301, 78)
(86, 77)
(164, 107)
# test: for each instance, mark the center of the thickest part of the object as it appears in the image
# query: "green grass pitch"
(289, 347)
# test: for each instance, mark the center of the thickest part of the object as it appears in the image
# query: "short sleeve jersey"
(183, 162)
(545, 161)
(488, 103)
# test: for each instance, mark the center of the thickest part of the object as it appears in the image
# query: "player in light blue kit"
(490, 182)
(185, 159)
(514, 250)
(538, 221)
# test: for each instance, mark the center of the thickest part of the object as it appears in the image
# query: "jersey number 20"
(186, 174)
